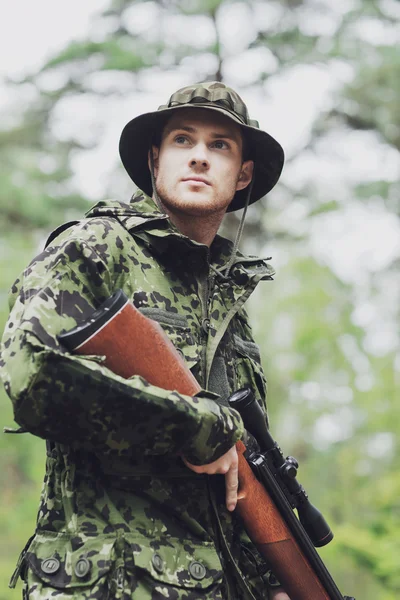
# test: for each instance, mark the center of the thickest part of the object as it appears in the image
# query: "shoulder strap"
(58, 231)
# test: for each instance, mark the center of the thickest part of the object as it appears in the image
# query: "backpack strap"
(59, 230)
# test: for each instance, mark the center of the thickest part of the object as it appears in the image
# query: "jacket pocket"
(177, 328)
(248, 369)
(178, 569)
(62, 563)
(253, 565)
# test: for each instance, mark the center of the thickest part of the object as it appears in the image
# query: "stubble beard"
(175, 204)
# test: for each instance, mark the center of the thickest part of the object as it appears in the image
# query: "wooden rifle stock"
(136, 345)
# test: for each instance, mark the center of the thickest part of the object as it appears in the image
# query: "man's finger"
(231, 485)
(278, 594)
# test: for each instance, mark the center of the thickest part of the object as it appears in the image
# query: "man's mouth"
(196, 180)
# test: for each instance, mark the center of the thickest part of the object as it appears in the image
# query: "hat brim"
(264, 150)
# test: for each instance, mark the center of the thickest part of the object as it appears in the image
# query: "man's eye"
(220, 144)
(181, 139)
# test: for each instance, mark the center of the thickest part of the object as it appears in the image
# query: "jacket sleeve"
(72, 399)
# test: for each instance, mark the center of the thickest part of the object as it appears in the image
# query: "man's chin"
(191, 204)
(200, 202)
(198, 208)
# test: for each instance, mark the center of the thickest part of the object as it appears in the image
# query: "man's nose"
(199, 157)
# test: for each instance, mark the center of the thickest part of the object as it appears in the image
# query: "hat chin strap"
(153, 183)
(240, 228)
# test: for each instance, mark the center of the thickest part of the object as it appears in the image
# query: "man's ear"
(246, 173)
(155, 152)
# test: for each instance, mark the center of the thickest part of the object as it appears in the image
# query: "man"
(141, 483)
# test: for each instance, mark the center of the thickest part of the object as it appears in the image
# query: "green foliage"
(35, 175)
(198, 7)
(21, 456)
(290, 46)
(303, 323)
(326, 207)
(374, 95)
(123, 54)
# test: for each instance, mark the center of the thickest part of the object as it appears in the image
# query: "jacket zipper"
(204, 284)
(205, 325)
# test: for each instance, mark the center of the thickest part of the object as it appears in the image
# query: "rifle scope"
(284, 469)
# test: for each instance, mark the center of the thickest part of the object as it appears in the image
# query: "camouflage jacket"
(120, 512)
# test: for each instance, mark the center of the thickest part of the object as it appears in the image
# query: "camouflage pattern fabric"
(121, 516)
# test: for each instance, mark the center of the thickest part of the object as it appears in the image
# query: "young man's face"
(199, 167)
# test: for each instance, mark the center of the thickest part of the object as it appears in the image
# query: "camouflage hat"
(266, 152)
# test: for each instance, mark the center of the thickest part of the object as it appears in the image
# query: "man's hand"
(226, 465)
(278, 594)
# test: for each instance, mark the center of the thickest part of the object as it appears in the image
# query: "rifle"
(268, 490)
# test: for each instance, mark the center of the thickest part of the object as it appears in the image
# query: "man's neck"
(201, 229)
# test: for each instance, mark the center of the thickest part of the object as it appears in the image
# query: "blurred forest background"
(324, 78)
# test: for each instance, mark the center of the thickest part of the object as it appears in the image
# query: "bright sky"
(32, 31)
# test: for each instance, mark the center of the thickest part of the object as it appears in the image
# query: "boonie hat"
(263, 149)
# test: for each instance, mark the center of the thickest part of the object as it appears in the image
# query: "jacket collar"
(142, 218)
